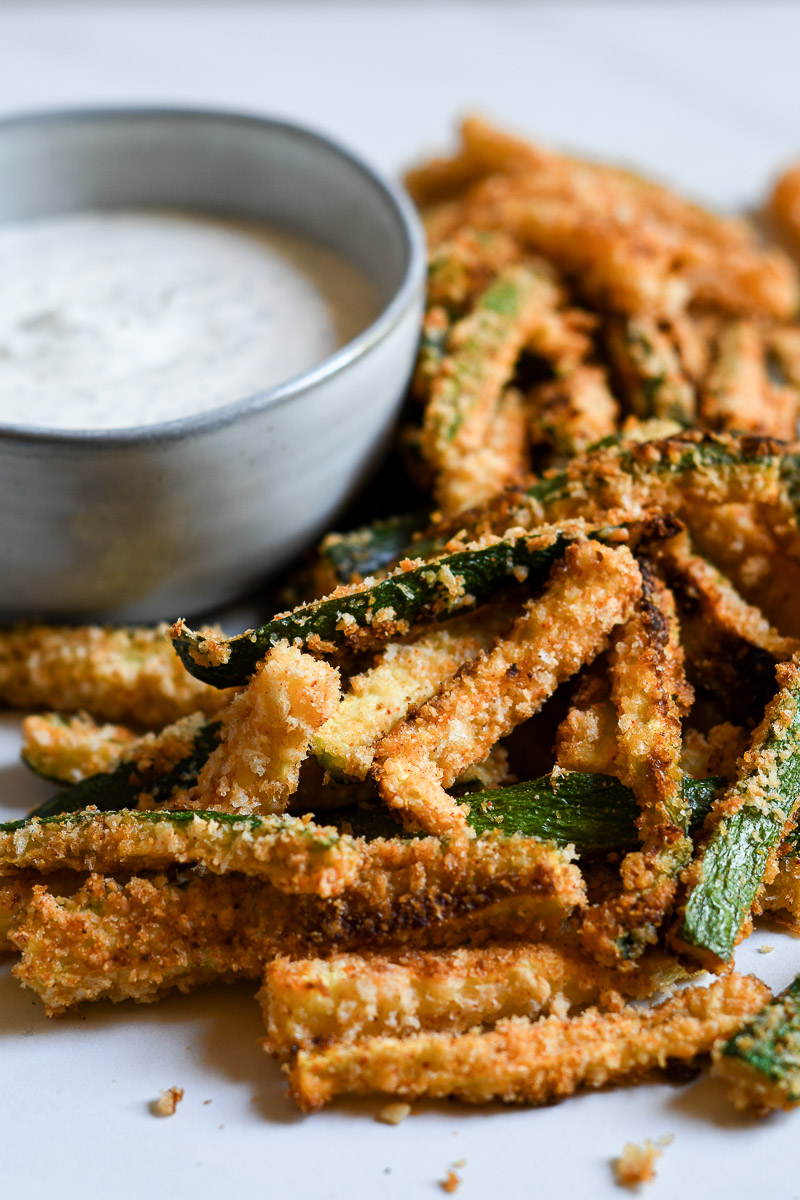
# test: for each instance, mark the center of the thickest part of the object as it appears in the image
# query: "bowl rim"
(390, 315)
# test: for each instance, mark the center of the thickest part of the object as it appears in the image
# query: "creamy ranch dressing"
(114, 319)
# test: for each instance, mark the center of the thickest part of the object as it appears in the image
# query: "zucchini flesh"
(452, 583)
(762, 1059)
(753, 815)
(122, 787)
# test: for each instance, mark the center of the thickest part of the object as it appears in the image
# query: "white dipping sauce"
(115, 319)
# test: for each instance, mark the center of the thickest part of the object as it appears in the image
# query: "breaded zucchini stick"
(482, 351)
(720, 604)
(131, 676)
(761, 1062)
(405, 675)
(590, 592)
(650, 370)
(369, 614)
(69, 749)
(635, 246)
(745, 829)
(528, 1062)
(140, 938)
(311, 1001)
(738, 394)
(651, 696)
(155, 769)
(294, 854)
(573, 412)
(266, 733)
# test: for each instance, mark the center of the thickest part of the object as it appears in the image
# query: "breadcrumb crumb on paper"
(636, 1164)
(167, 1102)
(393, 1114)
(450, 1183)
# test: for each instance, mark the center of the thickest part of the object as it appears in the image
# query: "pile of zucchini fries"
(521, 758)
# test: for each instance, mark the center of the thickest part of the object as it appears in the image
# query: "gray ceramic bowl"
(159, 521)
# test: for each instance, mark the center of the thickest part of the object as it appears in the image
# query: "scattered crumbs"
(393, 1114)
(636, 1164)
(765, 949)
(167, 1102)
(220, 1127)
(450, 1183)
(206, 1102)
(462, 1162)
(666, 1140)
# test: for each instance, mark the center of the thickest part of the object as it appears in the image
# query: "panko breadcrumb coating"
(266, 731)
(310, 1002)
(131, 676)
(590, 591)
(140, 938)
(528, 1062)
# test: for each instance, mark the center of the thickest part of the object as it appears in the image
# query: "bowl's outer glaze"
(171, 520)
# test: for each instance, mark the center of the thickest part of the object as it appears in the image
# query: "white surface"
(707, 96)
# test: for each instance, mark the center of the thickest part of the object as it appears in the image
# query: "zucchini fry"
(650, 371)
(651, 695)
(746, 826)
(590, 592)
(406, 675)
(69, 749)
(720, 604)
(738, 394)
(156, 769)
(761, 1062)
(293, 854)
(265, 735)
(482, 351)
(130, 676)
(140, 938)
(367, 615)
(572, 413)
(527, 1062)
(312, 1001)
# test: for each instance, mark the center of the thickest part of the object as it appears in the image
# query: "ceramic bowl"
(158, 521)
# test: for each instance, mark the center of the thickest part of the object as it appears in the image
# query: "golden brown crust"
(266, 733)
(121, 675)
(311, 1002)
(140, 938)
(532, 1063)
(591, 590)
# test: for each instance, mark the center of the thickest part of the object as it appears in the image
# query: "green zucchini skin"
(732, 865)
(372, 548)
(595, 813)
(424, 593)
(120, 788)
(769, 1045)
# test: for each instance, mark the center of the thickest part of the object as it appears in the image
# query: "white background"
(705, 95)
